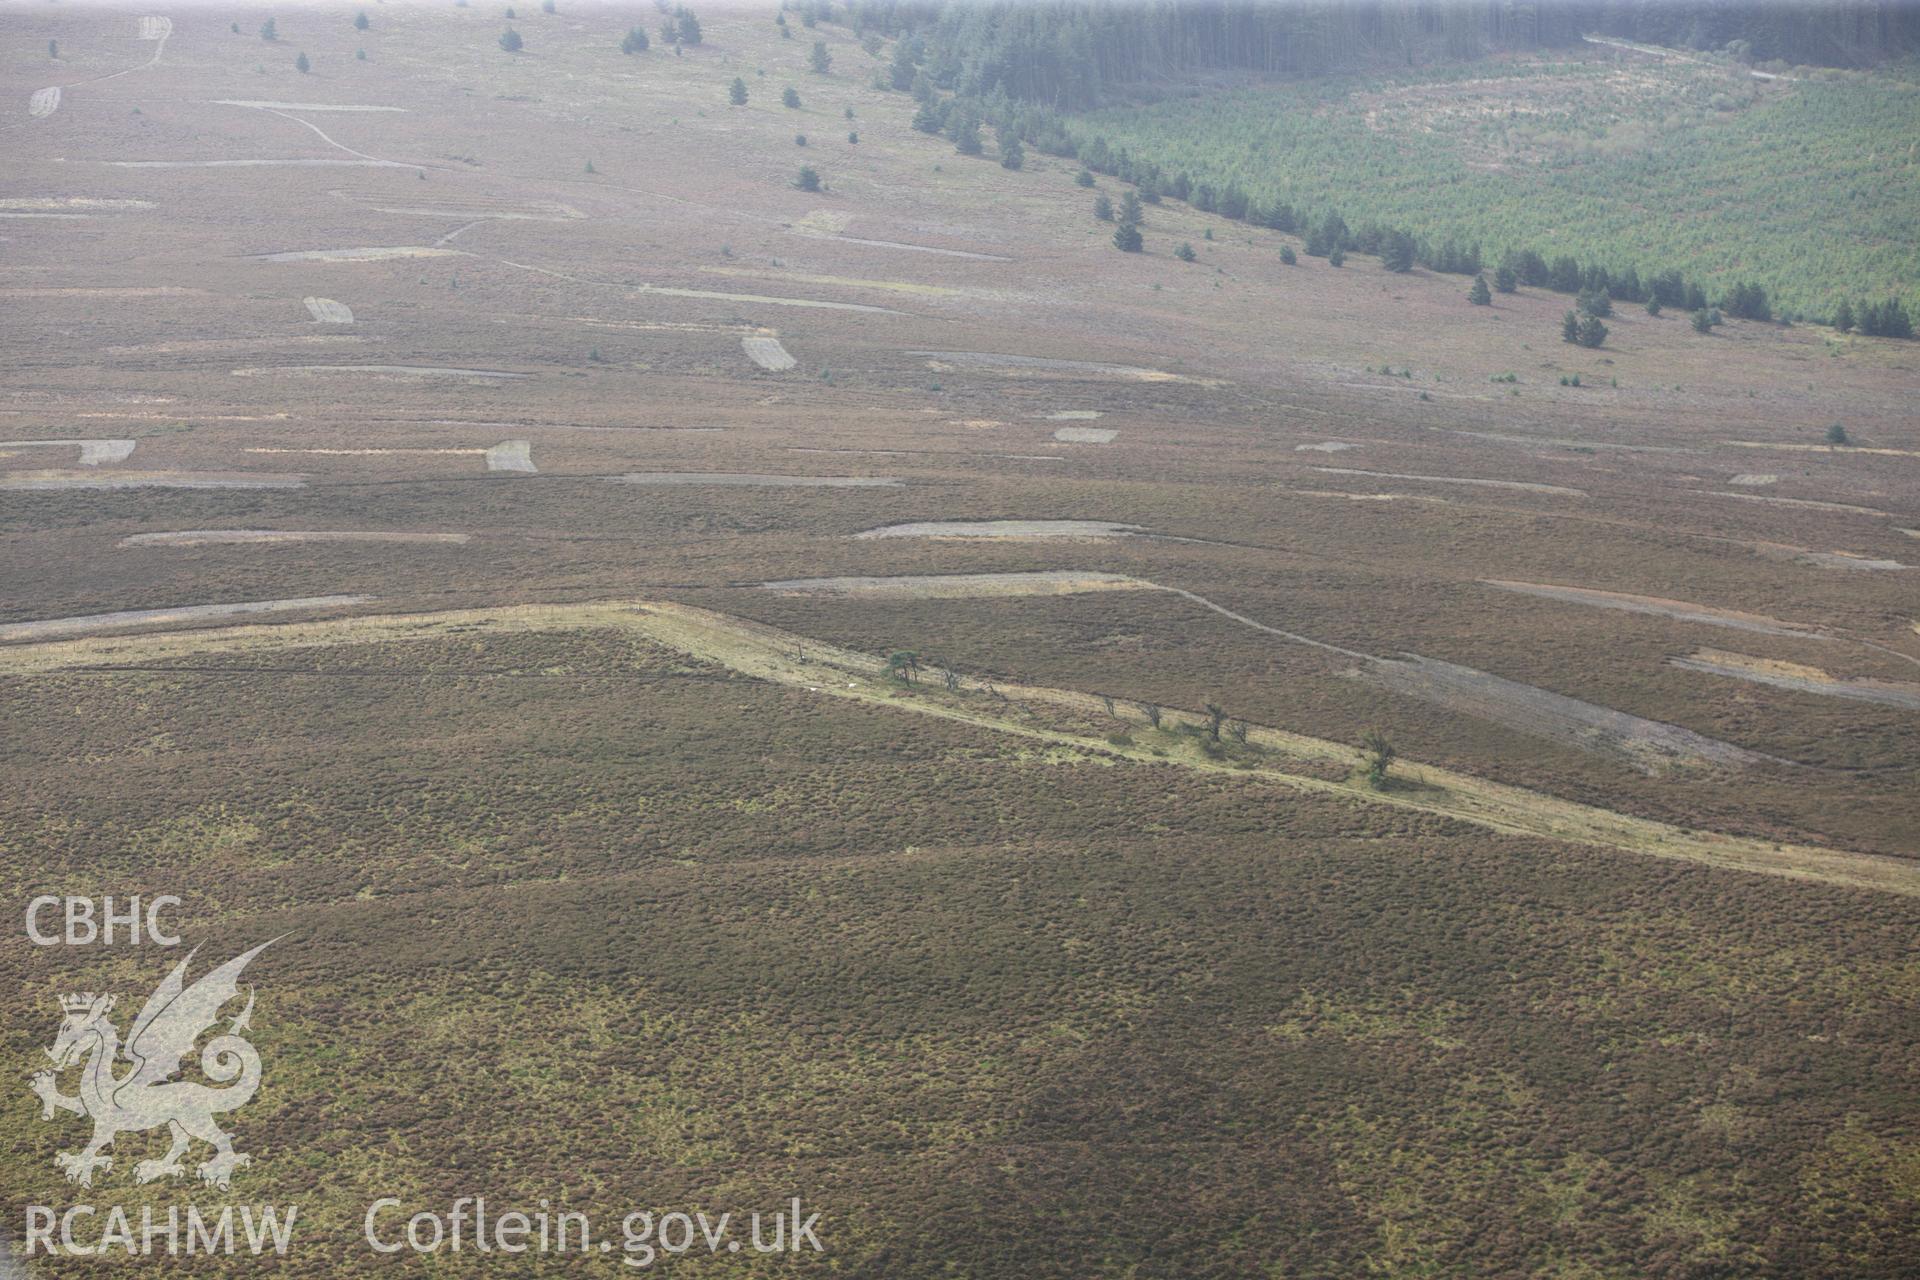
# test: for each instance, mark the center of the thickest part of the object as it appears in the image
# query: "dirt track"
(753, 479)
(371, 254)
(382, 370)
(1003, 529)
(1679, 610)
(55, 628)
(1648, 744)
(233, 537)
(1466, 480)
(965, 586)
(1801, 679)
(148, 480)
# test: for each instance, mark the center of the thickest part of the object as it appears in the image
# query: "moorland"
(725, 690)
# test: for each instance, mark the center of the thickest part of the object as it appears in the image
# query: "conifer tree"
(966, 136)
(900, 71)
(1397, 254)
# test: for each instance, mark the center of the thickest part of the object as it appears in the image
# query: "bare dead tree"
(1216, 716)
(1107, 702)
(1237, 730)
(952, 679)
(1152, 712)
(1380, 755)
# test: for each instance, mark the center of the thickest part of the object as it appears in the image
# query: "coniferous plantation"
(945, 641)
(1776, 152)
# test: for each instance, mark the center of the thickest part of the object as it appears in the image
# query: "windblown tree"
(1379, 756)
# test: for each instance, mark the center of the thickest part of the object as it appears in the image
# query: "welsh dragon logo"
(146, 1095)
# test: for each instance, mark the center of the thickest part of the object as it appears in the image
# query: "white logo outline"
(147, 1095)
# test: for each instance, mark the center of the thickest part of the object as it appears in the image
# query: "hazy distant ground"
(1810, 187)
(609, 864)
